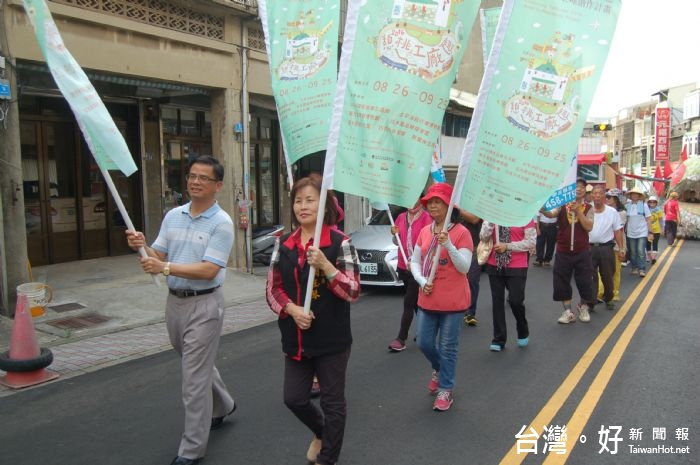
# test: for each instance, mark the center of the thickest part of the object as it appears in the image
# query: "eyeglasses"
(202, 178)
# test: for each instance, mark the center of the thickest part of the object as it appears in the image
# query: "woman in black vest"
(317, 342)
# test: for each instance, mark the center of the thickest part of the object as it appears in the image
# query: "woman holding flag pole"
(439, 263)
(315, 342)
(407, 227)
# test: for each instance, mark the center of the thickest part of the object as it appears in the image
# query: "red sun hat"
(441, 190)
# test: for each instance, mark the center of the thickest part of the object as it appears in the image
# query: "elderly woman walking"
(507, 270)
(442, 302)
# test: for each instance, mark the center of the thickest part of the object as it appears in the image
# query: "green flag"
(301, 37)
(401, 58)
(539, 82)
(101, 134)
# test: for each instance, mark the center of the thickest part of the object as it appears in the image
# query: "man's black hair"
(211, 161)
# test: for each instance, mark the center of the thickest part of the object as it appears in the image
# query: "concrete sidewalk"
(107, 311)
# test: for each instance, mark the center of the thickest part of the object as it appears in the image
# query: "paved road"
(636, 368)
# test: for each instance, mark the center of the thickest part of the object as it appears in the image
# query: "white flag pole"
(573, 223)
(334, 132)
(125, 215)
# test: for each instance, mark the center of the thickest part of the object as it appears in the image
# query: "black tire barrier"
(19, 366)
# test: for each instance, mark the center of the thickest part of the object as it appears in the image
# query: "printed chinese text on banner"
(101, 134)
(488, 17)
(301, 37)
(546, 61)
(662, 132)
(402, 64)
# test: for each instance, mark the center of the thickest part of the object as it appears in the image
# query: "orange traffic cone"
(25, 362)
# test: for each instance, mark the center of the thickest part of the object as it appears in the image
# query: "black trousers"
(329, 422)
(603, 258)
(410, 301)
(653, 244)
(474, 277)
(580, 266)
(546, 242)
(515, 285)
(671, 230)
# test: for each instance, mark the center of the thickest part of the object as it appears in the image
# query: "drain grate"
(79, 322)
(66, 307)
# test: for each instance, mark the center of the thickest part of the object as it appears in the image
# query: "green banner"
(403, 60)
(546, 62)
(101, 134)
(301, 37)
(489, 21)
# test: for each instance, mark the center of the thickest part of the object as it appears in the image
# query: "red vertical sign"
(663, 133)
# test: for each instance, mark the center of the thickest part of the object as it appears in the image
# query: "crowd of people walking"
(440, 265)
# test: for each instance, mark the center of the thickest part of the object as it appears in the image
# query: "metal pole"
(246, 145)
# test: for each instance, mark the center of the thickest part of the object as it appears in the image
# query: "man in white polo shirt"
(605, 235)
(192, 250)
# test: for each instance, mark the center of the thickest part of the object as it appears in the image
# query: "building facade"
(172, 75)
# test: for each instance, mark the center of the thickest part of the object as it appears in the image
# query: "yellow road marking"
(550, 409)
(585, 408)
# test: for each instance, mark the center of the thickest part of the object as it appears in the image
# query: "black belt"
(182, 293)
(603, 244)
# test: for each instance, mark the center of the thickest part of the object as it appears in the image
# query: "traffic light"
(602, 127)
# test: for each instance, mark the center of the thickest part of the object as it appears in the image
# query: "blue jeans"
(438, 339)
(638, 252)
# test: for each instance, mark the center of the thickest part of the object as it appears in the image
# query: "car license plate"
(368, 268)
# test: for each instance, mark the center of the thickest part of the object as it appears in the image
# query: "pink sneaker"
(433, 384)
(443, 401)
(397, 345)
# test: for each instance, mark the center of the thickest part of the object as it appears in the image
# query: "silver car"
(378, 254)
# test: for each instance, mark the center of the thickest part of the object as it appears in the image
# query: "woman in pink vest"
(408, 226)
(443, 301)
(507, 270)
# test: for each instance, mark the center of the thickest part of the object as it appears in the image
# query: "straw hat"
(674, 195)
(636, 190)
(652, 198)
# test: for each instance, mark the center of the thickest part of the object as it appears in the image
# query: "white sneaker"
(567, 317)
(583, 314)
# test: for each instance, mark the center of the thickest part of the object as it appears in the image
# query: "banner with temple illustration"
(403, 60)
(301, 37)
(546, 62)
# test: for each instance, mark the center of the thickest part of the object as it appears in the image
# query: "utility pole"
(14, 262)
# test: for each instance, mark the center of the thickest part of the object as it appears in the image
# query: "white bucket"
(38, 295)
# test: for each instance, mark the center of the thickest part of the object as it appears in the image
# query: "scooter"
(264, 242)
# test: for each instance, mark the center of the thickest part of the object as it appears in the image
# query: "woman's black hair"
(456, 216)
